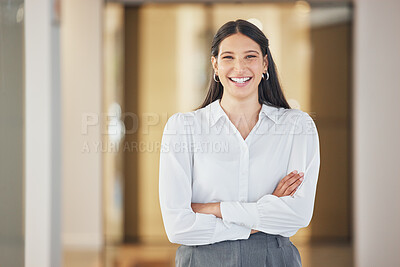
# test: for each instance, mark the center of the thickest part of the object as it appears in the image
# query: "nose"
(239, 65)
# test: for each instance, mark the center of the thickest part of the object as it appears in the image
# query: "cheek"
(222, 67)
(257, 67)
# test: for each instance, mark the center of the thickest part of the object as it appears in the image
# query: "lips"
(240, 81)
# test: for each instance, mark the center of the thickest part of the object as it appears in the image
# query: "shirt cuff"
(241, 213)
(229, 231)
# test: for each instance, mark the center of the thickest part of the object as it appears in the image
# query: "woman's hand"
(288, 185)
(207, 208)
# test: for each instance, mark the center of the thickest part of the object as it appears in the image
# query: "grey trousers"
(260, 250)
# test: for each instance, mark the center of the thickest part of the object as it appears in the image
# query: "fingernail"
(294, 172)
(301, 179)
(301, 174)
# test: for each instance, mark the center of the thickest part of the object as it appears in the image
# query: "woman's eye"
(227, 57)
(250, 56)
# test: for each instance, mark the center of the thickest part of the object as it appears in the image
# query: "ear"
(214, 64)
(266, 62)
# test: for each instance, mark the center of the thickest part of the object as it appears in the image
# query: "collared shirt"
(205, 159)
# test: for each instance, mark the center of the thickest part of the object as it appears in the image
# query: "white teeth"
(240, 80)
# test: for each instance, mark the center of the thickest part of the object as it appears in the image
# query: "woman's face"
(239, 66)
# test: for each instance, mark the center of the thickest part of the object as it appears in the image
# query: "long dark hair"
(269, 91)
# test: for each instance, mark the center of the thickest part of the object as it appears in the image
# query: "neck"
(239, 109)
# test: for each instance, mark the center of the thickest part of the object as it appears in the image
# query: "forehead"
(238, 43)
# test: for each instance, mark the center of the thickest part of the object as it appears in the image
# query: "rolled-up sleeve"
(285, 215)
(182, 225)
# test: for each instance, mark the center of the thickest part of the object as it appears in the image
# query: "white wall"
(81, 51)
(42, 136)
(376, 133)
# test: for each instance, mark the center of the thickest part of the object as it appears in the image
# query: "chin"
(244, 94)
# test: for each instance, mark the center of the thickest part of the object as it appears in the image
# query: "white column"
(376, 133)
(42, 136)
(81, 69)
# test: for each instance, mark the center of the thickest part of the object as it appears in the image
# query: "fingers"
(290, 175)
(286, 178)
(294, 179)
(293, 187)
(291, 180)
(289, 184)
(292, 184)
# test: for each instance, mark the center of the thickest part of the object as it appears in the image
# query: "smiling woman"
(238, 207)
(239, 69)
(239, 51)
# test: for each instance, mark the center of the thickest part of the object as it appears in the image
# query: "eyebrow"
(248, 51)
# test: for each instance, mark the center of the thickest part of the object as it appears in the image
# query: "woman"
(238, 175)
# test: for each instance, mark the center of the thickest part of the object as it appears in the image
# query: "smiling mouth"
(240, 80)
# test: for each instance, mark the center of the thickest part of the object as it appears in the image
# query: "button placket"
(244, 174)
(244, 162)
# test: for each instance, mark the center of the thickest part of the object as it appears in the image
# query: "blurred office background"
(87, 87)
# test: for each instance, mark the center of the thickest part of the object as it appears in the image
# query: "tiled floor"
(314, 255)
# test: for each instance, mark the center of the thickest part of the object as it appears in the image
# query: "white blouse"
(205, 159)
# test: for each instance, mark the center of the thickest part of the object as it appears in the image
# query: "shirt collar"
(217, 112)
